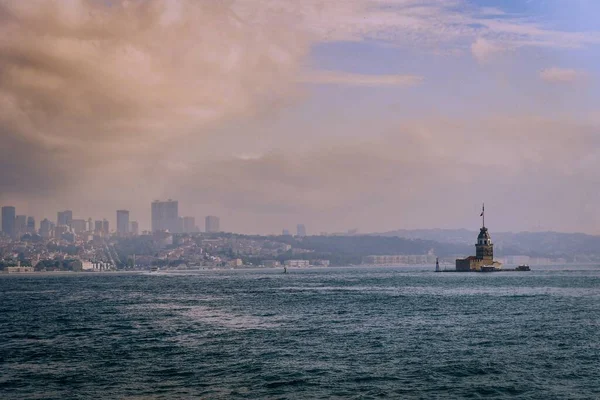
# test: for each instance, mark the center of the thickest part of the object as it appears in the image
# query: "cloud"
(99, 82)
(561, 75)
(348, 79)
(483, 50)
(109, 104)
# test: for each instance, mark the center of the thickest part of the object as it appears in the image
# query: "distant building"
(212, 224)
(98, 227)
(189, 224)
(122, 222)
(20, 225)
(285, 232)
(64, 218)
(165, 215)
(18, 270)
(236, 262)
(300, 230)
(271, 263)
(60, 230)
(297, 263)
(484, 252)
(134, 228)
(79, 225)
(399, 259)
(31, 225)
(105, 228)
(8, 220)
(46, 228)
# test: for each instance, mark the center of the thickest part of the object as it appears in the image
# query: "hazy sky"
(339, 114)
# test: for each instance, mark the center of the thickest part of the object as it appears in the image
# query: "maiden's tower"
(483, 260)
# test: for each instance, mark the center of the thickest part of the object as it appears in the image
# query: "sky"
(339, 114)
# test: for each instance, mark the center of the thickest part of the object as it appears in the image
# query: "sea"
(329, 333)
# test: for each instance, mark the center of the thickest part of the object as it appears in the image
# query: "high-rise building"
(189, 224)
(98, 227)
(300, 230)
(285, 232)
(20, 225)
(8, 220)
(31, 225)
(134, 228)
(79, 225)
(122, 222)
(165, 216)
(211, 224)
(46, 228)
(105, 229)
(64, 218)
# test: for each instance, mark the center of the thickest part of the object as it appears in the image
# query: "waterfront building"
(122, 222)
(165, 215)
(64, 218)
(484, 252)
(300, 230)
(212, 224)
(296, 263)
(8, 220)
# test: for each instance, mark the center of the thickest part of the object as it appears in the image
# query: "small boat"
(488, 268)
(523, 267)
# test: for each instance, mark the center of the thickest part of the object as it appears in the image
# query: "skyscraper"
(78, 225)
(31, 225)
(98, 227)
(189, 224)
(105, 229)
(134, 228)
(211, 224)
(122, 222)
(8, 220)
(20, 225)
(64, 218)
(165, 216)
(45, 228)
(300, 230)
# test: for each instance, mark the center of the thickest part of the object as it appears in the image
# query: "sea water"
(403, 332)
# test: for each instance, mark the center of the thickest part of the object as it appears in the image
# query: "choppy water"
(323, 333)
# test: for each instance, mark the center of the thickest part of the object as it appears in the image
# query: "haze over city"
(367, 114)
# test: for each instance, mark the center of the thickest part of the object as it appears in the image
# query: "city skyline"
(368, 114)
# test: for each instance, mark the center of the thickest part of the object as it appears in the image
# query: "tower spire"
(483, 215)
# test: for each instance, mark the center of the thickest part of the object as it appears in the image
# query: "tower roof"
(483, 233)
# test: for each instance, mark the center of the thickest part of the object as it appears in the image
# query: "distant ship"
(523, 267)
